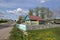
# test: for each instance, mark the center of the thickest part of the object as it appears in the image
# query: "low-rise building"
(57, 21)
(33, 20)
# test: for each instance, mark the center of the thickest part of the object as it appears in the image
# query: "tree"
(46, 13)
(42, 12)
(19, 20)
(30, 12)
(37, 9)
(49, 13)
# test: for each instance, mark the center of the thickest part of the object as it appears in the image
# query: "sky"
(14, 8)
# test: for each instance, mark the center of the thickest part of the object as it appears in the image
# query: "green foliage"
(19, 20)
(44, 34)
(42, 15)
(37, 9)
(46, 13)
(30, 12)
(3, 21)
(43, 12)
(16, 34)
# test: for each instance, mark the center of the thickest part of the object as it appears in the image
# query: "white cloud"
(43, 1)
(18, 11)
(14, 14)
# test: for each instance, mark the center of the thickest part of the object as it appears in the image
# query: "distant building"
(57, 21)
(33, 20)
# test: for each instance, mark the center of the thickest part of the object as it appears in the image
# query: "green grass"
(44, 34)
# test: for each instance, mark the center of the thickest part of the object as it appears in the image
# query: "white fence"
(35, 27)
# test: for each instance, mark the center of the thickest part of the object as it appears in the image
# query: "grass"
(44, 34)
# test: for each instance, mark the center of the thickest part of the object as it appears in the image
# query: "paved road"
(5, 25)
(5, 29)
(4, 33)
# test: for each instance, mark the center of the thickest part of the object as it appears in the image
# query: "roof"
(35, 18)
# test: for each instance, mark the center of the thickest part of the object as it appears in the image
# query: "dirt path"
(4, 33)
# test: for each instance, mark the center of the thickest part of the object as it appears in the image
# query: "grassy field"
(44, 34)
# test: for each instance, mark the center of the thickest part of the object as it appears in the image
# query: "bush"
(16, 34)
(3, 21)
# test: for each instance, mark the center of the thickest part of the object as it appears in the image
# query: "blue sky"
(14, 6)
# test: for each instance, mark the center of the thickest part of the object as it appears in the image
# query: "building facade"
(33, 20)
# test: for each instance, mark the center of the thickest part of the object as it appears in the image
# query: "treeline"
(43, 12)
(3, 21)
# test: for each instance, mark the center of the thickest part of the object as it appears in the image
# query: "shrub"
(16, 34)
(3, 21)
